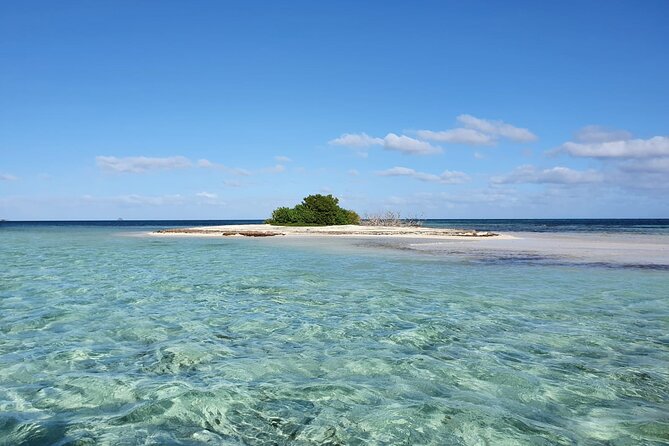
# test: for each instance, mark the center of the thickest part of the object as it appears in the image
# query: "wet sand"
(643, 250)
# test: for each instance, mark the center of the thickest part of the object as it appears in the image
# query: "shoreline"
(265, 230)
(576, 248)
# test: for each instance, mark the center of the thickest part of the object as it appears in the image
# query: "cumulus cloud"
(657, 146)
(141, 164)
(555, 175)
(411, 146)
(597, 133)
(7, 177)
(358, 140)
(446, 177)
(458, 136)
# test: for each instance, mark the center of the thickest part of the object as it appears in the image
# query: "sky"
(434, 109)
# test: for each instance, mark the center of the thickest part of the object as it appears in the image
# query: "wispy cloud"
(138, 200)
(207, 195)
(555, 175)
(206, 164)
(478, 132)
(353, 173)
(141, 164)
(497, 128)
(652, 165)
(282, 159)
(446, 177)
(232, 183)
(657, 146)
(278, 168)
(598, 133)
(144, 164)
(143, 200)
(7, 177)
(473, 131)
(357, 140)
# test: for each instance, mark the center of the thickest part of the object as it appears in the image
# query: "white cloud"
(479, 156)
(399, 143)
(353, 173)
(141, 164)
(555, 175)
(497, 128)
(282, 159)
(411, 146)
(657, 146)
(447, 177)
(207, 195)
(458, 136)
(475, 132)
(7, 177)
(358, 140)
(597, 133)
(478, 132)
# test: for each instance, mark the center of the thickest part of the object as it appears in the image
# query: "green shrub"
(320, 210)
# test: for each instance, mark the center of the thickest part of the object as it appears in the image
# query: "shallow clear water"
(111, 339)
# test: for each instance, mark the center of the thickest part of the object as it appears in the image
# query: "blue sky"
(146, 109)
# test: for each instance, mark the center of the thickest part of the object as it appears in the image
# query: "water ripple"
(119, 340)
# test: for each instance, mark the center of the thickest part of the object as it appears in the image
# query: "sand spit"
(340, 230)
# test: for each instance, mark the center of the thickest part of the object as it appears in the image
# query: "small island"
(315, 210)
(321, 215)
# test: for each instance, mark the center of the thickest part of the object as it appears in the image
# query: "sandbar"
(577, 248)
(264, 230)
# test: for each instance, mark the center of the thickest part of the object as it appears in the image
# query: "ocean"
(109, 336)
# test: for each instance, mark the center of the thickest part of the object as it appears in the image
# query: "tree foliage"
(321, 210)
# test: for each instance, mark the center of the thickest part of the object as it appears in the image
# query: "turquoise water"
(107, 338)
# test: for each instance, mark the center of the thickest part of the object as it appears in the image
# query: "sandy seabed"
(613, 248)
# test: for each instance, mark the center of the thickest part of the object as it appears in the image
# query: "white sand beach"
(264, 230)
(619, 248)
